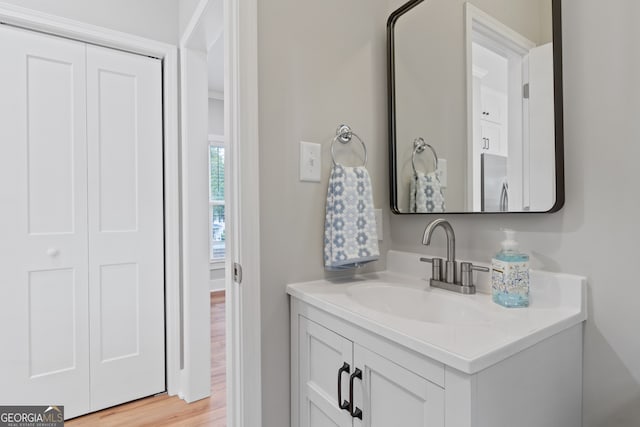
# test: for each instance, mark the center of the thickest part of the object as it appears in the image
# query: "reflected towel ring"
(344, 135)
(419, 145)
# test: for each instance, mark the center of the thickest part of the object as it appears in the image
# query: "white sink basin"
(466, 332)
(417, 304)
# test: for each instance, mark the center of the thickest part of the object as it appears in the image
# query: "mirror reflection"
(473, 118)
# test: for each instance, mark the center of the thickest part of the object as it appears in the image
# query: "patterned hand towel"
(425, 194)
(350, 237)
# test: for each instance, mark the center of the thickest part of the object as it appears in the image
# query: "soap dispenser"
(510, 274)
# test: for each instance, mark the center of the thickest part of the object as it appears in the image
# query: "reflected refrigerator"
(494, 187)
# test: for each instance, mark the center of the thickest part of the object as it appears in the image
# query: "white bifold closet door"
(126, 272)
(44, 268)
(81, 224)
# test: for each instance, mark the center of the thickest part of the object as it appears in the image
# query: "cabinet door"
(43, 222)
(493, 105)
(390, 395)
(491, 138)
(322, 354)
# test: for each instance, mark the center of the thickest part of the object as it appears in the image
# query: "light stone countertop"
(466, 332)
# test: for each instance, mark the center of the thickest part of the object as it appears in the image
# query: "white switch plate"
(310, 162)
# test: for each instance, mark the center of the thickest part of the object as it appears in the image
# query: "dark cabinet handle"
(357, 412)
(345, 368)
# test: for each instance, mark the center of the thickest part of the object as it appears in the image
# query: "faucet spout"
(445, 278)
(451, 237)
(450, 267)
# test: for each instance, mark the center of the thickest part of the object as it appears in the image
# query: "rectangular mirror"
(475, 106)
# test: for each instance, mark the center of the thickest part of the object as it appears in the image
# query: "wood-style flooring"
(173, 411)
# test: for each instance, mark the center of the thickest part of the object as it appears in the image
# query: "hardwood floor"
(172, 411)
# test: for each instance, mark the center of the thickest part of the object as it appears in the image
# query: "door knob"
(53, 252)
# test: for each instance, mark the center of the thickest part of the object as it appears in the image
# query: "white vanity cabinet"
(539, 385)
(382, 392)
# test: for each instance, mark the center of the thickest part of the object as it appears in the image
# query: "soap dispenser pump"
(510, 274)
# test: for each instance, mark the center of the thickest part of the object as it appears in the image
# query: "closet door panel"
(125, 226)
(117, 152)
(50, 142)
(43, 222)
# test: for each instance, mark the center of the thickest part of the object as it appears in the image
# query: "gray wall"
(321, 63)
(187, 7)
(154, 19)
(309, 53)
(216, 117)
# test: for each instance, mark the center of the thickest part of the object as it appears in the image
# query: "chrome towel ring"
(344, 134)
(419, 145)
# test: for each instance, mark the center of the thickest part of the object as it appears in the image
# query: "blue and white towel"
(350, 237)
(425, 194)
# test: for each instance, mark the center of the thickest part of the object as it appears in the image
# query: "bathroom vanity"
(387, 350)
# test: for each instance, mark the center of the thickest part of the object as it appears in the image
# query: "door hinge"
(525, 91)
(237, 273)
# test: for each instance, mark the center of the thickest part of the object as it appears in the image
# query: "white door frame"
(37, 21)
(244, 390)
(493, 33)
(244, 354)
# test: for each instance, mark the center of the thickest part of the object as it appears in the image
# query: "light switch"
(310, 162)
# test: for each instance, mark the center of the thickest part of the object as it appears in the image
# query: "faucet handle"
(466, 272)
(436, 267)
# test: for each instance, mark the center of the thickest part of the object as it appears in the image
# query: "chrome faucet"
(450, 266)
(465, 286)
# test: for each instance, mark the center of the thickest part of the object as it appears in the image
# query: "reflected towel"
(350, 236)
(425, 194)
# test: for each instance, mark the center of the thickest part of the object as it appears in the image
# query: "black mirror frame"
(556, 7)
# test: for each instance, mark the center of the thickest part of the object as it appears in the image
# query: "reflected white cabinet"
(374, 391)
(493, 123)
(494, 105)
(491, 141)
